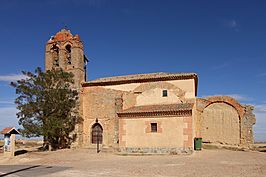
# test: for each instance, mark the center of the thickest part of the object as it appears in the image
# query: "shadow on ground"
(260, 147)
(19, 152)
(29, 170)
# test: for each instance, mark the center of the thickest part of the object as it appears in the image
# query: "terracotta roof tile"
(159, 108)
(140, 78)
(8, 130)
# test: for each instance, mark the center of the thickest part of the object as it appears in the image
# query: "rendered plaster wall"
(154, 96)
(188, 86)
(123, 87)
(136, 132)
(220, 124)
(139, 94)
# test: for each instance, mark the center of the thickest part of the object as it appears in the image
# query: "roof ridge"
(141, 78)
(147, 74)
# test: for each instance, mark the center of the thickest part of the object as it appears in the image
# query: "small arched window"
(68, 54)
(55, 55)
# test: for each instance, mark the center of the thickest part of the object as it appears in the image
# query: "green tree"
(47, 106)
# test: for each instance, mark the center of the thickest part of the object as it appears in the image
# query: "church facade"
(147, 113)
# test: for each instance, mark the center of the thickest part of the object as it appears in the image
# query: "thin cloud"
(12, 77)
(128, 11)
(232, 24)
(261, 108)
(220, 66)
(87, 3)
(238, 97)
(6, 102)
(261, 75)
(8, 117)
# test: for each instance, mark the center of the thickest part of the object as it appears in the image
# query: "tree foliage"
(47, 106)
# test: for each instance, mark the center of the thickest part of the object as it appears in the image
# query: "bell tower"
(66, 51)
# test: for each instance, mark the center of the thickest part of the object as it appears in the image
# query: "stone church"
(147, 113)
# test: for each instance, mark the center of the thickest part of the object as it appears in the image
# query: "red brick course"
(122, 132)
(187, 131)
(202, 103)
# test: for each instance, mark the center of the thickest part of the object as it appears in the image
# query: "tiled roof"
(63, 35)
(160, 76)
(8, 130)
(154, 109)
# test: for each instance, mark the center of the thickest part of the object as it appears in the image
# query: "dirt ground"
(84, 162)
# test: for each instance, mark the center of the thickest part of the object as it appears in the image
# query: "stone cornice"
(181, 113)
(170, 110)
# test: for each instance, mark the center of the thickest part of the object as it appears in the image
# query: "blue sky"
(223, 41)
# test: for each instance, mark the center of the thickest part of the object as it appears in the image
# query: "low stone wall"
(157, 150)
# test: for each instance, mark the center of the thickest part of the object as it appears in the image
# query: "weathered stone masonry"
(245, 116)
(125, 108)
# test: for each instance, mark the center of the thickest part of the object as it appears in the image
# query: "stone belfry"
(66, 51)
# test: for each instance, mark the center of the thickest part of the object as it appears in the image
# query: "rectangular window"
(153, 127)
(165, 94)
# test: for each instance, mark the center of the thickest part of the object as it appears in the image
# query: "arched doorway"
(97, 134)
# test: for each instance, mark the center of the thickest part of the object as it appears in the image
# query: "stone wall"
(74, 63)
(248, 120)
(158, 150)
(220, 124)
(223, 120)
(70, 61)
(102, 105)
